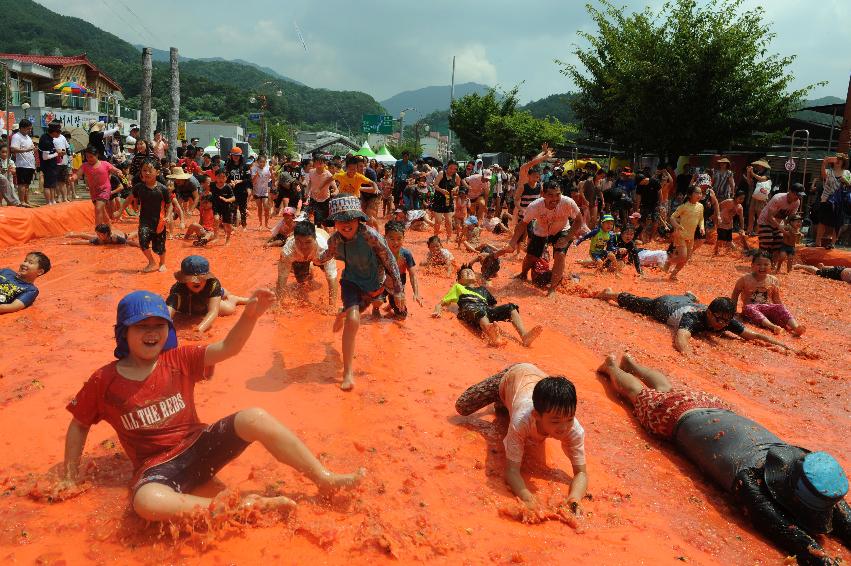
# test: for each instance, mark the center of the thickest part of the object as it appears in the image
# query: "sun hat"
(134, 308)
(636, 215)
(723, 160)
(762, 163)
(96, 126)
(193, 269)
(808, 484)
(178, 174)
(471, 221)
(345, 208)
(704, 180)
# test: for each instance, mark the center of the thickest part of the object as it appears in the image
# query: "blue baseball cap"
(471, 221)
(134, 308)
(194, 267)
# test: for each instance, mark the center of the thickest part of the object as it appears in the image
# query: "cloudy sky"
(386, 46)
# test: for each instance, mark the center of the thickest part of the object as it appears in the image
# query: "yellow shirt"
(351, 185)
(690, 216)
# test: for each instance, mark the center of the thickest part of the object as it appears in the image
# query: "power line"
(120, 17)
(141, 22)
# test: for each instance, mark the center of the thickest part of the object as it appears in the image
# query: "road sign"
(377, 124)
(790, 165)
(254, 117)
(252, 136)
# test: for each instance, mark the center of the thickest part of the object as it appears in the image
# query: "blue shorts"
(599, 256)
(354, 296)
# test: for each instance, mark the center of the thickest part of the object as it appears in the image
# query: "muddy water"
(434, 490)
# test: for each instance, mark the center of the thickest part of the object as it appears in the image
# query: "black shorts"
(560, 242)
(149, 237)
(320, 212)
(473, 314)
(834, 272)
(62, 173)
(788, 250)
(825, 214)
(725, 235)
(217, 446)
(51, 177)
(226, 214)
(25, 176)
(355, 296)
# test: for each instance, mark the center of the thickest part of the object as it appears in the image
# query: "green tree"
(521, 134)
(470, 113)
(280, 138)
(681, 79)
(409, 145)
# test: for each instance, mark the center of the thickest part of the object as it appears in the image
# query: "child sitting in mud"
(602, 248)
(439, 256)
(204, 231)
(147, 396)
(105, 235)
(761, 303)
(198, 293)
(17, 289)
(478, 308)
(539, 406)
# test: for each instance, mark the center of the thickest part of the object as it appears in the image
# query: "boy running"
(155, 206)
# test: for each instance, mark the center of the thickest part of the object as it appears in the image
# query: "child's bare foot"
(332, 482)
(530, 336)
(798, 330)
(628, 364)
(254, 501)
(609, 364)
(162, 269)
(348, 382)
(774, 328)
(150, 268)
(605, 294)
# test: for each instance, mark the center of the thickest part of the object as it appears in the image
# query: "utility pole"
(845, 132)
(451, 100)
(145, 118)
(174, 115)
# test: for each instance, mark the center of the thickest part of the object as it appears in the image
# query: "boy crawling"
(540, 407)
(478, 308)
(147, 396)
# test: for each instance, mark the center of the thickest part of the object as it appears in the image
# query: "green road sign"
(377, 124)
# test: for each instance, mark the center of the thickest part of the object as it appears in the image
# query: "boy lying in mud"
(540, 407)
(147, 396)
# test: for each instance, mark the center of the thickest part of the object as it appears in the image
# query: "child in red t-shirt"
(147, 396)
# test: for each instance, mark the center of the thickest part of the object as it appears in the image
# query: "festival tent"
(365, 151)
(384, 155)
(571, 164)
(213, 148)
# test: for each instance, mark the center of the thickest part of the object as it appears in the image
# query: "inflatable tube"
(815, 256)
(20, 225)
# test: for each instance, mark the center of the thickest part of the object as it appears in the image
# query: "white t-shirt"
(61, 143)
(319, 185)
(260, 179)
(778, 203)
(290, 253)
(515, 392)
(25, 160)
(551, 222)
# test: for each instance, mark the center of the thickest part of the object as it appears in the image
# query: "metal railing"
(54, 100)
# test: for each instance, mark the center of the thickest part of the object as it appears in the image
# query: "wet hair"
(151, 161)
(394, 226)
(628, 228)
(760, 254)
(463, 267)
(555, 394)
(352, 160)
(42, 260)
(91, 149)
(741, 193)
(534, 171)
(722, 305)
(550, 185)
(203, 178)
(692, 189)
(432, 240)
(103, 229)
(304, 228)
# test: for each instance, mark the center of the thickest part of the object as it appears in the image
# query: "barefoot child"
(155, 206)
(687, 221)
(477, 307)
(792, 236)
(147, 396)
(299, 252)
(539, 406)
(97, 174)
(728, 210)
(760, 293)
(370, 272)
(394, 233)
(224, 202)
(836, 272)
(602, 247)
(104, 235)
(204, 231)
(17, 289)
(198, 293)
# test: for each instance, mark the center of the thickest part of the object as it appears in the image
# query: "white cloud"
(472, 64)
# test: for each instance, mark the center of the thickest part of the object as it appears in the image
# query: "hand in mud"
(259, 303)
(419, 300)
(59, 491)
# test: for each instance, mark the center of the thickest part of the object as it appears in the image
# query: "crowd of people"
(323, 210)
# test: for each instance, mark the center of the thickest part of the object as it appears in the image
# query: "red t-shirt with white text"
(155, 419)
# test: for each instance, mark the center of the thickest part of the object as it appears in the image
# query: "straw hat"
(762, 163)
(96, 126)
(723, 160)
(178, 174)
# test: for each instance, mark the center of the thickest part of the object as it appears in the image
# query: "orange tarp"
(20, 225)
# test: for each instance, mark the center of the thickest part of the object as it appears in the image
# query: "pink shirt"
(97, 178)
